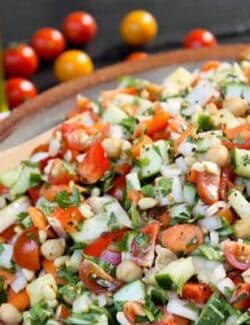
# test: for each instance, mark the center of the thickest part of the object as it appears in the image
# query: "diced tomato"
(34, 193)
(59, 174)
(20, 299)
(156, 123)
(69, 218)
(50, 191)
(161, 135)
(235, 276)
(27, 250)
(8, 233)
(207, 185)
(241, 296)
(232, 145)
(96, 279)
(3, 189)
(94, 165)
(237, 254)
(62, 312)
(227, 177)
(118, 186)
(197, 292)
(122, 169)
(96, 248)
(183, 238)
(242, 131)
(142, 251)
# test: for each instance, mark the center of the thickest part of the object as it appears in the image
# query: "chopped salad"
(137, 211)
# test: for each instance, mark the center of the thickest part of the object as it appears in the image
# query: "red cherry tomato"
(79, 27)
(48, 43)
(96, 248)
(27, 250)
(19, 90)
(135, 56)
(237, 254)
(20, 61)
(207, 185)
(199, 38)
(142, 251)
(94, 165)
(96, 279)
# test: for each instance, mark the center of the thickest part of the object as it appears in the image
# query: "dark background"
(228, 19)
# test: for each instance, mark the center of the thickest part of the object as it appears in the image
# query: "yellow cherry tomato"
(72, 64)
(138, 27)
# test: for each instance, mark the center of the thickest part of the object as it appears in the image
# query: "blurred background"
(228, 20)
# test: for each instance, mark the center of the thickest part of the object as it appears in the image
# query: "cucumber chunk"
(241, 162)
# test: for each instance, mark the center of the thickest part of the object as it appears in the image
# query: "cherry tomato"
(19, 90)
(95, 279)
(142, 251)
(20, 61)
(94, 165)
(199, 38)
(237, 254)
(48, 43)
(79, 27)
(138, 27)
(198, 292)
(69, 218)
(96, 248)
(184, 238)
(207, 185)
(135, 56)
(27, 250)
(227, 177)
(72, 64)
(59, 174)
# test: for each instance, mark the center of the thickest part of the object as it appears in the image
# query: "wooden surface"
(11, 157)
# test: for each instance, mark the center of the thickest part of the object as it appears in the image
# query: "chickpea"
(53, 248)
(236, 105)
(113, 147)
(9, 314)
(128, 271)
(218, 154)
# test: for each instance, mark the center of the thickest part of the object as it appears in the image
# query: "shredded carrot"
(210, 65)
(189, 131)
(135, 152)
(20, 300)
(134, 196)
(228, 214)
(38, 218)
(49, 267)
(7, 276)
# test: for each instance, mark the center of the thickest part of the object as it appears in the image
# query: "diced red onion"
(111, 257)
